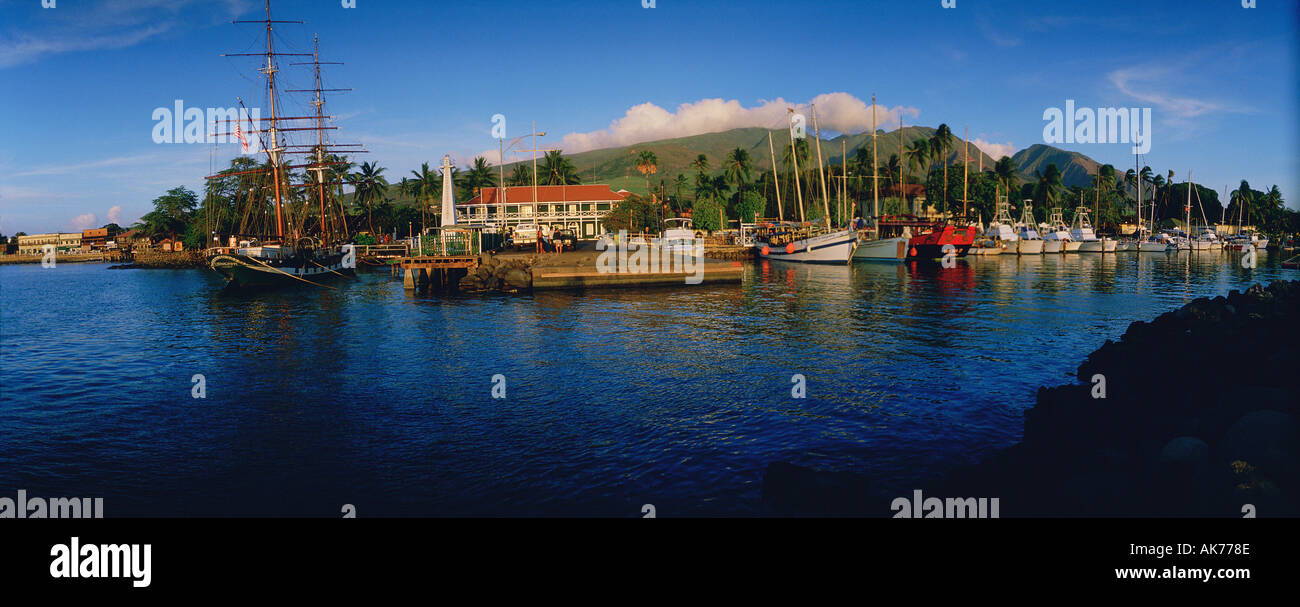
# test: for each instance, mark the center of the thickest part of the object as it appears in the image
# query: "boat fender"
(766, 251)
(912, 252)
(789, 248)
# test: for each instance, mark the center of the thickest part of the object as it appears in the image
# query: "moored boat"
(804, 243)
(1028, 242)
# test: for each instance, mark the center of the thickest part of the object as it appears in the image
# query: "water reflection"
(615, 398)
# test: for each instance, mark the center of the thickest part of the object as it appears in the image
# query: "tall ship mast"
(283, 247)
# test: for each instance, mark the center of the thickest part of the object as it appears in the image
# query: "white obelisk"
(448, 194)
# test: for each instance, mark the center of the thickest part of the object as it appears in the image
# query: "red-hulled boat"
(929, 237)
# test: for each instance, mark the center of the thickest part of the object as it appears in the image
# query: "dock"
(562, 275)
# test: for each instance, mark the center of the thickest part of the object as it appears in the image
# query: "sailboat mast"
(1137, 174)
(875, 177)
(844, 177)
(274, 151)
(794, 157)
(902, 182)
(821, 171)
(319, 102)
(780, 213)
(965, 171)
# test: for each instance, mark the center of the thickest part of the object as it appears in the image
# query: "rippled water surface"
(372, 396)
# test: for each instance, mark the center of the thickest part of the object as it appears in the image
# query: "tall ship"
(286, 233)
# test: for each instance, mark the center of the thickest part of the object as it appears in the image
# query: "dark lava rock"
(1199, 414)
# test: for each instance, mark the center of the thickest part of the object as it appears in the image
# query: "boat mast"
(780, 213)
(902, 181)
(274, 150)
(794, 157)
(1137, 174)
(875, 177)
(844, 176)
(965, 171)
(821, 172)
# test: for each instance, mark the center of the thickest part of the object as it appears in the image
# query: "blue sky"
(82, 80)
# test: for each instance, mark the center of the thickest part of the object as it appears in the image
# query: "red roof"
(548, 193)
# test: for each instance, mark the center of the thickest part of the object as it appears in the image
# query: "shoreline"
(1191, 414)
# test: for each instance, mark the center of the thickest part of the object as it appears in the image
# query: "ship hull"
(833, 248)
(884, 249)
(1029, 247)
(246, 272)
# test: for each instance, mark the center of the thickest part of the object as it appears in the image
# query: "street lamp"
(501, 165)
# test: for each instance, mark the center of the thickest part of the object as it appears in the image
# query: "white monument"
(448, 194)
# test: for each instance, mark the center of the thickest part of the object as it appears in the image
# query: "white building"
(580, 208)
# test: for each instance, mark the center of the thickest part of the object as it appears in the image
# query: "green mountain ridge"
(617, 166)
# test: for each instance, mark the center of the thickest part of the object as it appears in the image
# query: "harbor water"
(678, 397)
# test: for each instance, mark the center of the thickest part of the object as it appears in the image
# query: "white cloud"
(1131, 82)
(82, 222)
(115, 214)
(836, 112)
(994, 150)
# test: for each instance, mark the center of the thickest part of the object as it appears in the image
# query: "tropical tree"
(369, 186)
(522, 174)
(171, 213)
(940, 144)
(427, 186)
(1049, 183)
(1005, 171)
(557, 170)
(918, 154)
(479, 175)
(679, 183)
(737, 169)
(648, 164)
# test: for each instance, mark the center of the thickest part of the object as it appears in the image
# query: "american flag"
(243, 141)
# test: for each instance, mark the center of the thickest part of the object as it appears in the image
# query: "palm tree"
(369, 185)
(427, 185)
(737, 171)
(557, 170)
(648, 164)
(939, 145)
(1049, 182)
(918, 153)
(679, 183)
(522, 174)
(479, 175)
(1005, 170)
(1242, 197)
(893, 167)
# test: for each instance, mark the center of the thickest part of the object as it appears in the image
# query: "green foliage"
(749, 205)
(366, 239)
(704, 216)
(633, 214)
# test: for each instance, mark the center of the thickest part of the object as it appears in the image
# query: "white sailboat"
(805, 242)
(872, 246)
